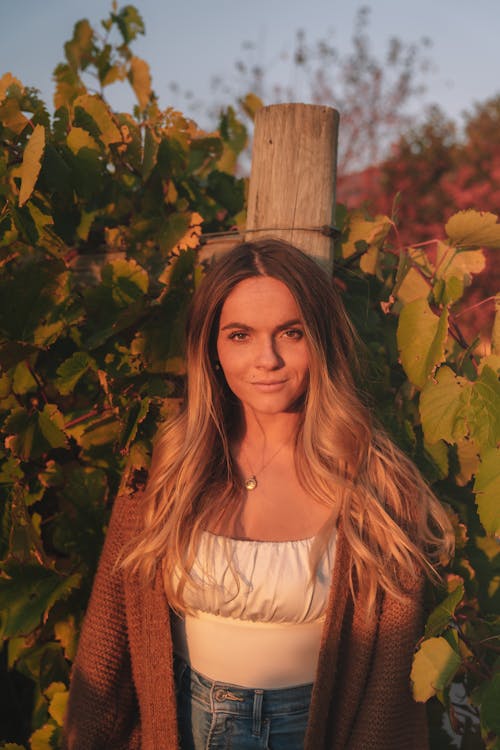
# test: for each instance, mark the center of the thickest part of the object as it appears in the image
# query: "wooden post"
(292, 181)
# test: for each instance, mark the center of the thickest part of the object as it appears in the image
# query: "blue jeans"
(220, 716)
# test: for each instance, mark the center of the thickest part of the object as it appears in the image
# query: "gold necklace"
(251, 483)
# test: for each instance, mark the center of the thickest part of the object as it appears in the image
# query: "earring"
(216, 365)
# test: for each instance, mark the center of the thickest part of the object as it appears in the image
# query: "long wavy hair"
(395, 527)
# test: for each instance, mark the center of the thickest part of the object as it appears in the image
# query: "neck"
(265, 431)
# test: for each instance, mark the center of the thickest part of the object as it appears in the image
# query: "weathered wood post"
(293, 176)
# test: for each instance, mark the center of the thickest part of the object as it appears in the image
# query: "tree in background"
(374, 95)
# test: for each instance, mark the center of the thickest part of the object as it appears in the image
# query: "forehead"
(258, 299)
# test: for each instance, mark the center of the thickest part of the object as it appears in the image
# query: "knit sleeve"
(388, 717)
(102, 709)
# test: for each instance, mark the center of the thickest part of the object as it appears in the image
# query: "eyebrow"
(245, 327)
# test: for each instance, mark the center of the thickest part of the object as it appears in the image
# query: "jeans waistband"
(228, 698)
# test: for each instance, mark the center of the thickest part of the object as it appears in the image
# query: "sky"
(188, 42)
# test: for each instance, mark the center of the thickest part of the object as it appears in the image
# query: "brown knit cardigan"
(122, 692)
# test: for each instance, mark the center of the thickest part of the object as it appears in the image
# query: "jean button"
(220, 694)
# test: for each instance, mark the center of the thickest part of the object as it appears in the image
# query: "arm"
(102, 708)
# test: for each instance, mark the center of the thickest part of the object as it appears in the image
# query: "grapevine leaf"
(71, 370)
(58, 703)
(451, 263)
(421, 338)
(129, 22)
(468, 456)
(440, 402)
(79, 138)
(30, 168)
(94, 106)
(140, 78)
(12, 117)
(490, 701)
(434, 665)
(439, 454)
(151, 145)
(487, 489)
(251, 104)
(473, 229)
(413, 286)
(33, 434)
(79, 49)
(27, 593)
(362, 230)
(6, 81)
(127, 279)
(440, 617)
(44, 738)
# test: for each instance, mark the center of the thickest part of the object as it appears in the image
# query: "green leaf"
(27, 593)
(129, 22)
(490, 702)
(127, 279)
(421, 337)
(441, 616)
(473, 229)
(94, 106)
(438, 452)
(434, 666)
(30, 168)
(440, 402)
(79, 49)
(487, 489)
(151, 145)
(71, 370)
(31, 434)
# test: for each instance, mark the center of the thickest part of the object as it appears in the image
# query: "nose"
(267, 355)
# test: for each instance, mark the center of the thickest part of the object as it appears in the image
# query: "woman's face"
(261, 346)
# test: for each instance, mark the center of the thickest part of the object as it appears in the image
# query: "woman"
(265, 591)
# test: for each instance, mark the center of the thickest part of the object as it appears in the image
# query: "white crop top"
(274, 579)
(264, 632)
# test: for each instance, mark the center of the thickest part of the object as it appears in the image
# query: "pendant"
(251, 483)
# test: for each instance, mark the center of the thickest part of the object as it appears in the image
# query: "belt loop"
(258, 696)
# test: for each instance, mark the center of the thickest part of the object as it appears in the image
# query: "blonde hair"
(394, 525)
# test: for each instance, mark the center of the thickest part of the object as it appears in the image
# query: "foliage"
(100, 217)
(443, 408)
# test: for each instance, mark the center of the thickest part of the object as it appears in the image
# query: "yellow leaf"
(140, 78)
(413, 286)
(372, 232)
(12, 117)
(461, 265)
(79, 138)
(251, 104)
(468, 456)
(97, 109)
(6, 81)
(30, 168)
(473, 229)
(434, 665)
(58, 704)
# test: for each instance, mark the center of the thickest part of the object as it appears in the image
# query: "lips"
(269, 385)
